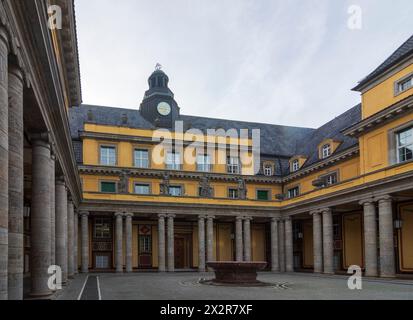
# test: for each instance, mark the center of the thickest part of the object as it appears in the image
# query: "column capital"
(326, 210)
(384, 198)
(40, 139)
(60, 181)
(161, 216)
(287, 218)
(313, 212)
(210, 217)
(117, 214)
(366, 201)
(171, 216)
(129, 214)
(275, 219)
(202, 217)
(84, 213)
(238, 218)
(248, 218)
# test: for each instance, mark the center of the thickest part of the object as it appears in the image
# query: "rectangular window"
(263, 195)
(293, 192)
(145, 244)
(405, 145)
(108, 187)
(175, 191)
(404, 85)
(233, 165)
(107, 156)
(142, 188)
(173, 161)
(295, 165)
(268, 170)
(233, 193)
(331, 179)
(326, 152)
(203, 163)
(141, 157)
(102, 229)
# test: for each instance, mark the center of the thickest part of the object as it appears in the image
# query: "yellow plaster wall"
(258, 242)
(382, 95)
(374, 146)
(353, 240)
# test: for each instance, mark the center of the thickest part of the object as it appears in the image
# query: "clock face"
(164, 108)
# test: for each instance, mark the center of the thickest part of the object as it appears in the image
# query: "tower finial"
(158, 66)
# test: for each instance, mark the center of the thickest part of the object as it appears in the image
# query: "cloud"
(283, 62)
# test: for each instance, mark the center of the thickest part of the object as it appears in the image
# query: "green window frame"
(108, 187)
(263, 195)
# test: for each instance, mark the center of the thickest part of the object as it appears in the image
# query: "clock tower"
(158, 105)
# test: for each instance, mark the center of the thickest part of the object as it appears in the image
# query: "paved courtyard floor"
(186, 286)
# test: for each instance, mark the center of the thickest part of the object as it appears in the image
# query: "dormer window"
(326, 151)
(295, 165)
(268, 170)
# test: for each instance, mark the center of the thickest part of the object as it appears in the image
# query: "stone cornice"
(334, 159)
(391, 113)
(152, 173)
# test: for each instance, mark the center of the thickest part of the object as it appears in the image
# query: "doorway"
(183, 249)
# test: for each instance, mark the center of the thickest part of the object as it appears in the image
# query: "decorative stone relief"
(205, 188)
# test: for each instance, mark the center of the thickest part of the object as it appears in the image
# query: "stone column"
(76, 241)
(275, 265)
(281, 245)
(61, 227)
(119, 242)
(40, 218)
(247, 238)
(4, 163)
(210, 238)
(387, 259)
(201, 243)
(53, 208)
(370, 237)
(85, 241)
(317, 242)
(328, 249)
(171, 243)
(16, 181)
(128, 238)
(239, 248)
(70, 236)
(161, 243)
(289, 255)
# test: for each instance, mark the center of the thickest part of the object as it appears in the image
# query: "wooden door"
(179, 252)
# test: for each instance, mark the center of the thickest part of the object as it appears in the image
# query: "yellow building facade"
(166, 191)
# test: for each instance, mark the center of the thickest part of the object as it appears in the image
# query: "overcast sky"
(275, 61)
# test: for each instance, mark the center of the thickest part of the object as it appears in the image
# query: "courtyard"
(187, 286)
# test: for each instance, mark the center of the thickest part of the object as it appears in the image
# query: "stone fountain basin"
(236, 272)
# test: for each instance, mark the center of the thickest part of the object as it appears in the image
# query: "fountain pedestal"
(234, 273)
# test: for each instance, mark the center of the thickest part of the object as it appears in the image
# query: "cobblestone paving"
(186, 286)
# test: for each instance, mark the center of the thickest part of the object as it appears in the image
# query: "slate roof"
(331, 130)
(281, 142)
(403, 51)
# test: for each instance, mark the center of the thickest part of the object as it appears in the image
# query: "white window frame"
(173, 160)
(401, 146)
(141, 162)
(399, 85)
(176, 188)
(105, 157)
(233, 165)
(203, 163)
(141, 184)
(291, 194)
(326, 150)
(268, 171)
(328, 179)
(231, 195)
(295, 165)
